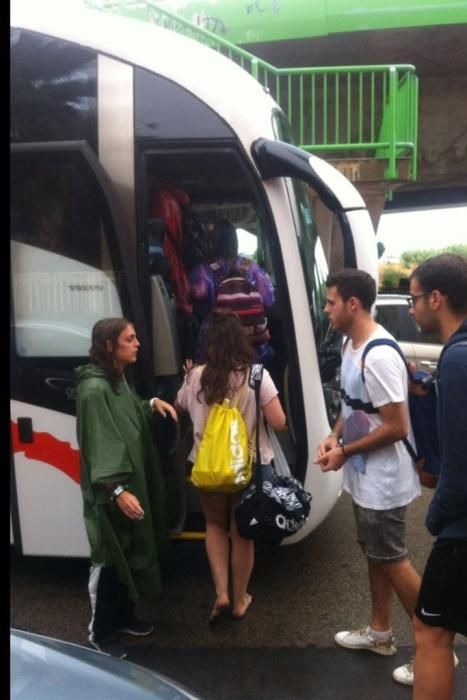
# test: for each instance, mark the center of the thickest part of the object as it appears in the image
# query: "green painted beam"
(253, 21)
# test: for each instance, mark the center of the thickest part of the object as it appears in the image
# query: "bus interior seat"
(167, 356)
(158, 263)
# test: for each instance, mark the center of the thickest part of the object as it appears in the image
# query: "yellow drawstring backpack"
(224, 459)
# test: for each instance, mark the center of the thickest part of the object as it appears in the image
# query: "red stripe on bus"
(46, 448)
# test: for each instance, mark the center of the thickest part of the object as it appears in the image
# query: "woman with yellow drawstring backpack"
(212, 394)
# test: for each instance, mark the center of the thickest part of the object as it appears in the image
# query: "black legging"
(113, 608)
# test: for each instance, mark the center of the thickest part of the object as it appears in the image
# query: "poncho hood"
(89, 372)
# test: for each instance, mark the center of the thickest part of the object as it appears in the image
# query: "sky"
(247, 243)
(421, 229)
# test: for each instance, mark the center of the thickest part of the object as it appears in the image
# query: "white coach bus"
(107, 113)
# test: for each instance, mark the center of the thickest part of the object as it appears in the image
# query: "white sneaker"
(404, 674)
(360, 639)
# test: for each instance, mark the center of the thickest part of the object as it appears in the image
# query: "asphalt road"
(303, 594)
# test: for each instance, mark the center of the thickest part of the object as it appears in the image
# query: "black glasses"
(412, 300)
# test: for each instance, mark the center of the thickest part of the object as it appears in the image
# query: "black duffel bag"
(271, 507)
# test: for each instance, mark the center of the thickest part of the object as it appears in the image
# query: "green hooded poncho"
(116, 445)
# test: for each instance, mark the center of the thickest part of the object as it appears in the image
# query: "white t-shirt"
(386, 477)
(187, 398)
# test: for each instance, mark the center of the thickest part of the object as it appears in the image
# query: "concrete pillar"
(374, 195)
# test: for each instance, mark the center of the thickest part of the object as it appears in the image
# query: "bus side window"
(63, 278)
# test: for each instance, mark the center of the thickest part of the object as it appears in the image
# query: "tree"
(415, 257)
(394, 277)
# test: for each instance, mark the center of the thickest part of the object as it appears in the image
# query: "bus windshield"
(315, 269)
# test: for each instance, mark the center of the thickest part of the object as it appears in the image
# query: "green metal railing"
(346, 111)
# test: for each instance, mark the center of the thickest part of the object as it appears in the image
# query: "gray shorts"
(381, 533)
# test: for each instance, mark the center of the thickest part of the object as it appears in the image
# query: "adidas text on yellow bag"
(224, 460)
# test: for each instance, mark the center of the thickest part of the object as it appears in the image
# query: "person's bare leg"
(243, 556)
(406, 583)
(434, 662)
(381, 597)
(216, 508)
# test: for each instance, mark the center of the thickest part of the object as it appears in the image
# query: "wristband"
(117, 491)
(343, 451)
(333, 434)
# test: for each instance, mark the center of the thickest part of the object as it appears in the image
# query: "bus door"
(216, 181)
(306, 174)
(70, 267)
(306, 181)
(186, 153)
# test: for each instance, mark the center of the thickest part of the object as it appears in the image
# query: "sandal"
(217, 613)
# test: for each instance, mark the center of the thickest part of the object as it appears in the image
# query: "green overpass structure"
(360, 111)
(378, 89)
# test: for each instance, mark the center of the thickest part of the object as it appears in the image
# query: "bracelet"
(343, 451)
(151, 402)
(117, 491)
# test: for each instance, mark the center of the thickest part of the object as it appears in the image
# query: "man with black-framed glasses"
(438, 302)
(413, 298)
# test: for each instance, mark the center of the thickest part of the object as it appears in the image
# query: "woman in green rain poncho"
(122, 485)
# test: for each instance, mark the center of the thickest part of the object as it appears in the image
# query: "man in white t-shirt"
(378, 471)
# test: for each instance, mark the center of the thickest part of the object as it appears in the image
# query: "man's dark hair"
(225, 241)
(448, 274)
(354, 283)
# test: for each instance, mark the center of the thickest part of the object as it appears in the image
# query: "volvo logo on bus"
(66, 386)
(86, 287)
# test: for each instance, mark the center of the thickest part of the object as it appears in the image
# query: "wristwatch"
(117, 491)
